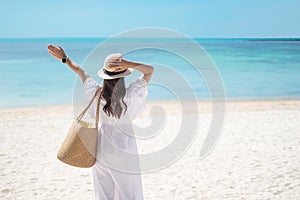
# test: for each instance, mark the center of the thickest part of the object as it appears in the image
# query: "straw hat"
(106, 73)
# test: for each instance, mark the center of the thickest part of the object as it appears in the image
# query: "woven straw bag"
(80, 145)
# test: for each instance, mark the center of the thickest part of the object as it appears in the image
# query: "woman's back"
(134, 98)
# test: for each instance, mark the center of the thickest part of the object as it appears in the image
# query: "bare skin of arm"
(120, 64)
(115, 64)
(147, 70)
(59, 53)
(77, 69)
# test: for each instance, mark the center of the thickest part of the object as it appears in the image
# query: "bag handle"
(88, 106)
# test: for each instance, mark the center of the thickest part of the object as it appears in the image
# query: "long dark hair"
(113, 92)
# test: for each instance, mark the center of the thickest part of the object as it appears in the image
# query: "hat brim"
(101, 74)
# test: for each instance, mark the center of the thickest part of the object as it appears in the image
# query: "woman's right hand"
(113, 62)
(56, 52)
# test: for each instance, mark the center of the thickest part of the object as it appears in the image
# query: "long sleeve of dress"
(137, 92)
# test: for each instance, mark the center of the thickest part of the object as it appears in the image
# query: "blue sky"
(197, 18)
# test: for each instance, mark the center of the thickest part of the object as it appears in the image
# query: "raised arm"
(147, 70)
(117, 63)
(59, 53)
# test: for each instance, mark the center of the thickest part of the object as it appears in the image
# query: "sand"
(257, 156)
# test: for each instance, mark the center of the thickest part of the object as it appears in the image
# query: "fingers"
(119, 69)
(57, 52)
(114, 67)
(53, 54)
(115, 63)
(61, 48)
(50, 50)
(55, 49)
(50, 46)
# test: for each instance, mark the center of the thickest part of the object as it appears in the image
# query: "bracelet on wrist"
(64, 59)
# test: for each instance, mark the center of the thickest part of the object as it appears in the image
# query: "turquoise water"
(250, 69)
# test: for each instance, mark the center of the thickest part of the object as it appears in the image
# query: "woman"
(118, 107)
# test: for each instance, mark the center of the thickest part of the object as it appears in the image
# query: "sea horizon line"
(16, 39)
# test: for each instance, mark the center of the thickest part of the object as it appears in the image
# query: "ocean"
(250, 69)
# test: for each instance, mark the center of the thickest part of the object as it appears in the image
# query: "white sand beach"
(257, 156)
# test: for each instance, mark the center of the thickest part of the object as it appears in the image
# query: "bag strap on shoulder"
(98, 91)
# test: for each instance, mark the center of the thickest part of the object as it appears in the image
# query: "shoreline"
(203, 105)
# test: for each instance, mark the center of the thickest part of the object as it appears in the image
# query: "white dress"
(117, 153)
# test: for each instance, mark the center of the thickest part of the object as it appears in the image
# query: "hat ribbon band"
(113, 73)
